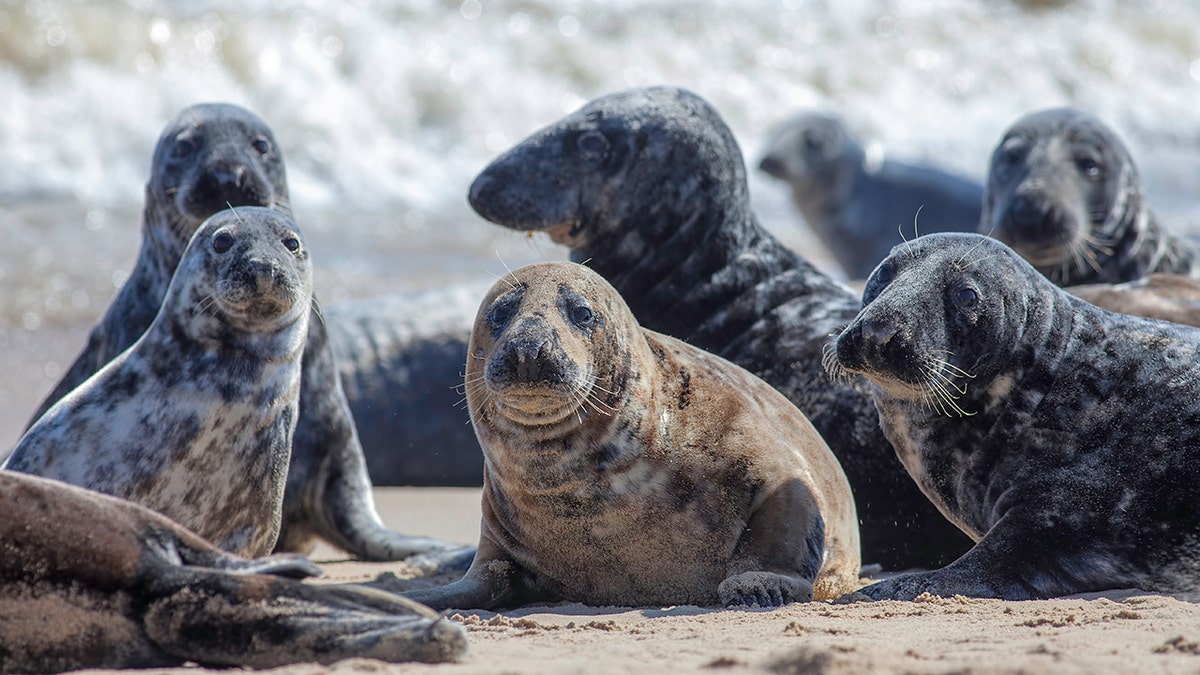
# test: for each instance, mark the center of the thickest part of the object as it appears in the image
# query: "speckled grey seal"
(207, 158)
(1169, 297)
(1063, 191)
(648, 187)
(195, 420)
(1063, 438)
(625, 467)
(860, 204)
(89, 581)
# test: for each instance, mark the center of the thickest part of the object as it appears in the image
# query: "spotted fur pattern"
(195, 420)
(89, 581)
(648, 188)
(1061, 437)
(1063, 191)
(625, 467)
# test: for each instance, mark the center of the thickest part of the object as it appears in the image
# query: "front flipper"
(1020, 558)
(214, 618)
(493, 581)
(763, 589)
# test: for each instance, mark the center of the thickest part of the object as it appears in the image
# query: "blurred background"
(385, 111)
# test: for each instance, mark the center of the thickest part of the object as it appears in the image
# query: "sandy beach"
(1114, 632)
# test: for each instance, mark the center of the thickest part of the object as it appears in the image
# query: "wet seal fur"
(625, 467)
(196, 419)
(1063, 438)
(211, 156)
(1063, 191)
(857, 202)
(649, 187)
(90, 581)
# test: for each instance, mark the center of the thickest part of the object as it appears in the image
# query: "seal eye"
(592, 144)
(222, 242)
(582, 316)
(292, 244)
(499, 315)
(813, 142)
(183, 149)
(966, 299)
(261, 145)
(1088, 166)
(885, 273)
(1012, 149)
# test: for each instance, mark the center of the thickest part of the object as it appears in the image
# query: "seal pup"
(1063, 191)
(208, 157)
(90, 581)
(648, 186)
(195, 420)
(1168, 297)
(625, 467)
(1061, 437)
(859, 202)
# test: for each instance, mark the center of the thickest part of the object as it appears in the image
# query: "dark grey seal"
(648, 187)
(195, 420)
(90, 581)
(212, 156)
(859, 204)
(1063, 191)
(1061, 437)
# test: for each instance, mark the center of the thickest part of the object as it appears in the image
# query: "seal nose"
(225, 185)
(1025, 215)
(531, 360)
(772, 166)
(876, 335)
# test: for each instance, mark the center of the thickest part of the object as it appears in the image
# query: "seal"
(90, 581)
(625, 467)
(1063, 191)
(196, 419)
(1169, 297)
(208, 157)
(860, 202)
(1061, 437)
(649, 187)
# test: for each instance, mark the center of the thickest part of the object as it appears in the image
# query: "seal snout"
(773, 166)
(225, 184)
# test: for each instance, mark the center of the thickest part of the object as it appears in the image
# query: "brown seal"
(90, 581)
(1169, 297)
(625, 467)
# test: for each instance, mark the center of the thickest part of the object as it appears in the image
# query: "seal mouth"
(538, 406)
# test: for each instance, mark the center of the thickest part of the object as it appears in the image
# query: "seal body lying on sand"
(1063, 191)
(859, 205)
(648, 187)
(210, 157)
(625, 467)
(1169, 297)
(1063, 438)
(90, 581)
(195, 420)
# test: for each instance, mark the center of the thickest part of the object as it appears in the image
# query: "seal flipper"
(214, 618)
(494, 581)
(1008, 563)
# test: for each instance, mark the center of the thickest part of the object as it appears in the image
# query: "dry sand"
(1120, 631)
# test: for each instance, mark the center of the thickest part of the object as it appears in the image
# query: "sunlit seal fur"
(1063, 191)
(1169, 297)
(196, 419)
(89, 581)
(625, 467)
(209, 157)
(649, 187)
(860, 202)
(1063, 438)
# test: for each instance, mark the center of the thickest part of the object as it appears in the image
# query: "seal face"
(648, 187)
(625, 467)
(209, 157)
(1063, 191)
(89, 581)
(859, 202)
(195, 420)
(1059, 436)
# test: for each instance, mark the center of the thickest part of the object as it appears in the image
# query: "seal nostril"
(877, 334)
(772, 166)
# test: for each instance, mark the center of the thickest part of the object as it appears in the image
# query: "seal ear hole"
(183, 149)
(592, 144)
(261, 145)
(291, 243)
(222, 242)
